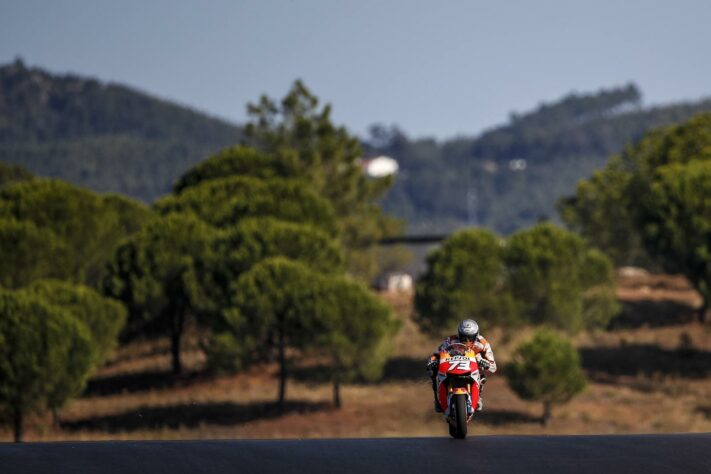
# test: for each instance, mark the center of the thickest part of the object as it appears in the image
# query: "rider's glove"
(484, 364)
(432, 366)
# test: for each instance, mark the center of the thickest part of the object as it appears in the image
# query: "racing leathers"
(482, 348)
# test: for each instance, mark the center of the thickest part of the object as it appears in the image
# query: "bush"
(546, 369)
(465, 278)
(541, 275)
(558, 280)
(45, 356)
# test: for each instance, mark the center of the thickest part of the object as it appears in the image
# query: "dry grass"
(663, 385)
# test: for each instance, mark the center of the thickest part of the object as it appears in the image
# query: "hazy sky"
(436, 68)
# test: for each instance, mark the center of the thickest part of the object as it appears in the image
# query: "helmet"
(468, 330)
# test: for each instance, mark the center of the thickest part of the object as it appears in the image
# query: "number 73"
(460, 365)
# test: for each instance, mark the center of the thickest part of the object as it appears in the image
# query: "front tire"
(460, 417)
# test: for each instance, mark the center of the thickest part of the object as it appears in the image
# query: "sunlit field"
(648, 377)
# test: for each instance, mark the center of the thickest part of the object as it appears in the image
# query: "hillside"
(112, 138)
(104, 136)
(512, 175)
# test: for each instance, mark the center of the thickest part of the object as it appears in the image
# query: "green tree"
(42, 350)
(301, 133)
(104, 317)
(28, 253)
(90, 225)
(676, 220)
(253, 240)
(131, 215)
(607, 208)
(465, 278)
(599, 300)
(282, 304)
(13, 173)
(74, 214)
(273, 308)
(238, 160)
(546, 369)
(601, 212)
(224, 202)
(157, 274)
(301, 136)
(356, 333)
(237, 249)
(549, 277)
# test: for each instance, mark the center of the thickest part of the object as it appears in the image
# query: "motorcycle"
(458, 386)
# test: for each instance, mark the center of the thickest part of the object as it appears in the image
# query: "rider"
(467, 333)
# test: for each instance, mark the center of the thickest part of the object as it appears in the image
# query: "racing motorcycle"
(458, 381)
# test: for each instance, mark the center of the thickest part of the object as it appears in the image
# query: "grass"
(642, 379)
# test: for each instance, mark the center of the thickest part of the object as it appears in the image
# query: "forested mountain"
(104, 136)
(512, 175)
(112, 138)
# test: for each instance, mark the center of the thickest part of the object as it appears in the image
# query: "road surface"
(479, 454)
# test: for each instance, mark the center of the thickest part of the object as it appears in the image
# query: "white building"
(395, 282)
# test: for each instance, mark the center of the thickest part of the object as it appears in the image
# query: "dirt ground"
(651, 373)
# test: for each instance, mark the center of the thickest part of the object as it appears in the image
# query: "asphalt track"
(650, 454)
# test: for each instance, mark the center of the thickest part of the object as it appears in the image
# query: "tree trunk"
(176, 333)
(547, 407)
(705, 311)
(337, 392)
(282, 371)
(56, 418)
(18, 424)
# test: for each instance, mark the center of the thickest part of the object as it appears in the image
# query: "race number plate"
(460, 363)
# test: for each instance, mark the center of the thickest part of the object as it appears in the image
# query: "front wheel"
(460, 417)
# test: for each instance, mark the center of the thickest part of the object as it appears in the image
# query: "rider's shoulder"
(482, 339)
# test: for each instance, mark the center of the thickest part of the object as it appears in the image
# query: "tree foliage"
(273, 310)
(224, 202)
(356, 335)
(253, 240)
(157, 274)
(235, 250)
(131, 215)
(302, 138)
(542, 275)
(601, 212)
(238, 160)
(29, 253)
(465, 278)
(45, 353)
(281, 304)
(660, 184)
(88, 224)
(302, 134)
(546, 369)
(12, 174)
(676, 220)
(558, 280)
(599, 300)
(104, 317)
